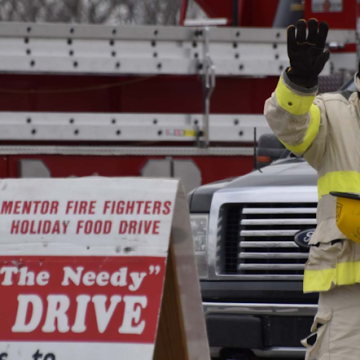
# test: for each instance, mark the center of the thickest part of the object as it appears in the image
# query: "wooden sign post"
(98, 269)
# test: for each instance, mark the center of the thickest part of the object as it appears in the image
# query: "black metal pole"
(235, 12)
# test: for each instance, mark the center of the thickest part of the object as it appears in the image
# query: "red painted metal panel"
(212, 168)
(256, 13)
(337, 20)
(4, 166)
(159, 94)
(183, 10)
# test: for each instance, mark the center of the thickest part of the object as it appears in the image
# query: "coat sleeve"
(298, 118)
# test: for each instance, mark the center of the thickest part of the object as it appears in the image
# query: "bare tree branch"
(112, 12)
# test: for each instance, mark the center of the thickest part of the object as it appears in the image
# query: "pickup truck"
(250, 266)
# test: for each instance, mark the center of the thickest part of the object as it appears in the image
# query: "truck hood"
(289, 172)
(294, 172)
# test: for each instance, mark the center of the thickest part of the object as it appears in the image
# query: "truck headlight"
(199, 229)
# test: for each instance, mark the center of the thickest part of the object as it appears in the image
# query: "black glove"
(307, 55)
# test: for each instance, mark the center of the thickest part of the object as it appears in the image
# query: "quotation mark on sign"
(154, 269)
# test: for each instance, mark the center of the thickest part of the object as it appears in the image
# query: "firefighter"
(325, 130)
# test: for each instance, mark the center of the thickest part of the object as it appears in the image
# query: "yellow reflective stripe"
(342, 181)
(293, 103)
(347, 273)
(312, 131)
(318, 280)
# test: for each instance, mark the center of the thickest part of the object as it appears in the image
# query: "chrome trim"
(278, 222)
(260, 309)
(267, 255)
(234, 277)
(268, 244)
(279, 210)
(281, 352)
(268, 233)
(271, 267)
(270, 194)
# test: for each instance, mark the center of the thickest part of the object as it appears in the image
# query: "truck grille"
(258, 239)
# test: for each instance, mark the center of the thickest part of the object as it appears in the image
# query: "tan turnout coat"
(325, 129)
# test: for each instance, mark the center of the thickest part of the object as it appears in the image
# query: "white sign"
(82, 268)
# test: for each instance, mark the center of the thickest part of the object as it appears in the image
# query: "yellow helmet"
(348, 214)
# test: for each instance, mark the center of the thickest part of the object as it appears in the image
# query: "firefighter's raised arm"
(293, 112)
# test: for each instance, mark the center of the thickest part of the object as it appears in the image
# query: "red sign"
(106, 299)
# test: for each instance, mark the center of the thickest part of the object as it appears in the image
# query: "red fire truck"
(82, 100)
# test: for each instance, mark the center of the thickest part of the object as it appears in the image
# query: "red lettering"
(24, 228)
(17, 207)
(69, 206)
(106, 206)
(36, 206)
(45, 207)
(88, 227)
(7, 207)
(123, 227)
(140, 227)
(98, 227)
(79, 226)
(56, 228)
(139, 204)
(156, 227)
(166, 210)
(132, 227)
(39, 227)
(147, 208)
(15, 227)
(147, 226)
(26, 207)
(120, 207)
(46, 227)
(82, 207)
(107, 227)
(32, 230)
(157, 208)
(92, 207)
(130, 207)
(54, 207)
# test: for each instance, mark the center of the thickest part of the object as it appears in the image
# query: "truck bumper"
(269, 330)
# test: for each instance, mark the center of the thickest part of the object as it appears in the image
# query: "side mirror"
(269, 149)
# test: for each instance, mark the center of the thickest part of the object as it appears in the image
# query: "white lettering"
(119, 278)
(137, 279)
(103, 278)
(132, 315)
(58, 305)
(75, 277)
(8, 271)
(89, 278)
(26, 278)
(37, 309)
(102, 316)
(82, 304)
(42, 278)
